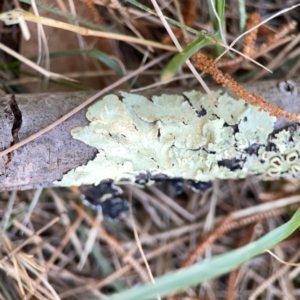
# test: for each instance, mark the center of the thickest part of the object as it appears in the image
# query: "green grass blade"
(101, 56)
(243, 15)
(219, 6)
(218, 20)
(178, 60)
(209, 268)
(4, 291)
(105, 59)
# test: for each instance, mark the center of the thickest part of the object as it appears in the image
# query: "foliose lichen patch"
(183, 136)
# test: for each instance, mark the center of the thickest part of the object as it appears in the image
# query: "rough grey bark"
(48, 157)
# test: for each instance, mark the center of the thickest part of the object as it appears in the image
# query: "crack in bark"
(17, 123)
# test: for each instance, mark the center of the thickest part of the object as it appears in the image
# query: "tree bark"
(47, 158)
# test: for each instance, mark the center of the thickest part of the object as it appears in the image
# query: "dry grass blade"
(31, 64)
(90, 32)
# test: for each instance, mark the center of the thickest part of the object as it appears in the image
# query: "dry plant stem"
(172, 204)
(282, 32)
(139, 245)
(28, 240)
(207, 241)
(175, 41)
(282, 261)
(63, 242)
(8, 211)
(274, 277)
(248, 45)
(42, 279)
(227, 224)
(32, 64)
(258, 25)
(116, 5)
(242, 54)
(121, 272)
(11, 272)
(279, 204)
(189, 10)
(274, 40)
(207, 65)
(84, 104)
(90, 32)
(65, 220)
(114, 244)
(62, 245)
(233, 276)
(142, 196)
(37, 239)
(279, 57)
(96, 285)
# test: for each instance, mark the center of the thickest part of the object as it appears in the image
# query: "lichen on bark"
(183, 136)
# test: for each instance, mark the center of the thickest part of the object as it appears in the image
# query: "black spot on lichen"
(235, 127)
(232, 164)
(271, 147)
(253, 149)
(201, 113)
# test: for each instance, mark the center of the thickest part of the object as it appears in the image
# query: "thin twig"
(84, 104)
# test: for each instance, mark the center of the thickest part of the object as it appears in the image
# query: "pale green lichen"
(183, 136)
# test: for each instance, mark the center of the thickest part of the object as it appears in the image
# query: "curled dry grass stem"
(265, 284)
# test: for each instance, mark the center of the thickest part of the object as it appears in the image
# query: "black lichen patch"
(104, 197)
(199, 186)
(99, 193)
(112, 208)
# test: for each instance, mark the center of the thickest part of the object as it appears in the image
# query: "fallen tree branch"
(48, 157)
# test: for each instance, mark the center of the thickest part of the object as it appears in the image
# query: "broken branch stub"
(137, 138)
